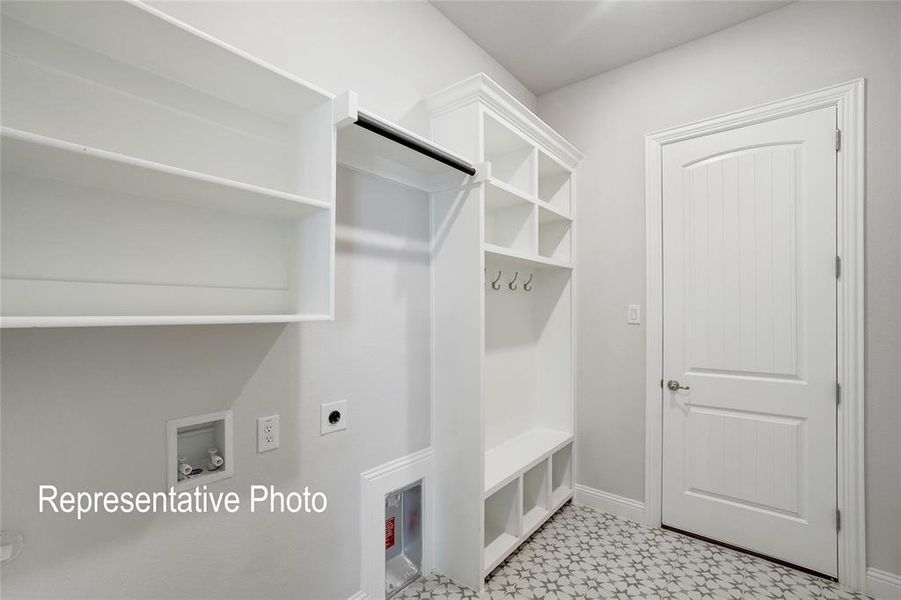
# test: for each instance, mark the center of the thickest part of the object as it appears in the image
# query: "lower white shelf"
(560, 495)
(93, 238)
(506, 461)
(532, 519)
(103, 321)
(498, 549)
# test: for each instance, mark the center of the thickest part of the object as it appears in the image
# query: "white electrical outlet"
(267, 433)
(333, 417)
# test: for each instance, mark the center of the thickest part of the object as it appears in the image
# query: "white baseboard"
(361, 595)
(610, 503)
(883, 585)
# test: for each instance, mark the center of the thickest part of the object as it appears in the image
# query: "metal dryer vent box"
(403, 537)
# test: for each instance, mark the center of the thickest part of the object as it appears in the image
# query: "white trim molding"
(481, 88)
(375, 484)
(848, 99)
(619, 506)
(883, 585)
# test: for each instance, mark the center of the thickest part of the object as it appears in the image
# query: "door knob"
(674, 386)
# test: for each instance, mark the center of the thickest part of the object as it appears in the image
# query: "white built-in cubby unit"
(503, 276)
(153, 175)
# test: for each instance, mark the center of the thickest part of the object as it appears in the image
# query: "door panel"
(749, 326)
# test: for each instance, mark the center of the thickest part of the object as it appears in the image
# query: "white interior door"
(749, 246)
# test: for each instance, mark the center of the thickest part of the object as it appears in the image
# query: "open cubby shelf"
(153, 175)
(518, 506)
(535, 496)
(522, 228)
(554, 236)
(509, 220)
(502, 524)
(554, 183)
(512, 157)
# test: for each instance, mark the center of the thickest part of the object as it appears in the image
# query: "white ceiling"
(550, 44)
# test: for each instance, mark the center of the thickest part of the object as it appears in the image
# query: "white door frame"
(848, 99)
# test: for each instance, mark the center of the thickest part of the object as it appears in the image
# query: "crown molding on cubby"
(481, 87)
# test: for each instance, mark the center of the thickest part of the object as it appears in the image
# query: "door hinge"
(838, 393)
(838, 267)
(661, 384)
(838, 520)
(838, 140)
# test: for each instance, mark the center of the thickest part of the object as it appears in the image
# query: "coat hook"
(527, 286)
(494, 284)
(512, 284)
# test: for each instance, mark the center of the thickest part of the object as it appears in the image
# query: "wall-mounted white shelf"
(31, 155)
(375, 145)
(503, 292)
(154, 175)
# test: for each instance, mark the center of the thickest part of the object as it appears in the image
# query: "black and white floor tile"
(583, 553)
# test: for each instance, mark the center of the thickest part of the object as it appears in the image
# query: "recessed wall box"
(189, 441)
(403, 538)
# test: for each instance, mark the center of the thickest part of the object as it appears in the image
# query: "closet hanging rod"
(401, 137)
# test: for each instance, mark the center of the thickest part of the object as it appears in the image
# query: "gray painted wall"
(795, 49)
(86, 409)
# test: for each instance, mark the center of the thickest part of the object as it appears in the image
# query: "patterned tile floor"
(583, 553)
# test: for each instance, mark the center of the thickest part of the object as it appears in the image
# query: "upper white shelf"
(155, 175)
(139, 35)
(370, 143)
(34, 155)
(553, 213)
(508, 460)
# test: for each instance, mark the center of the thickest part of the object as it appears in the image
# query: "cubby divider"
(535, 496)
(562, 475)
